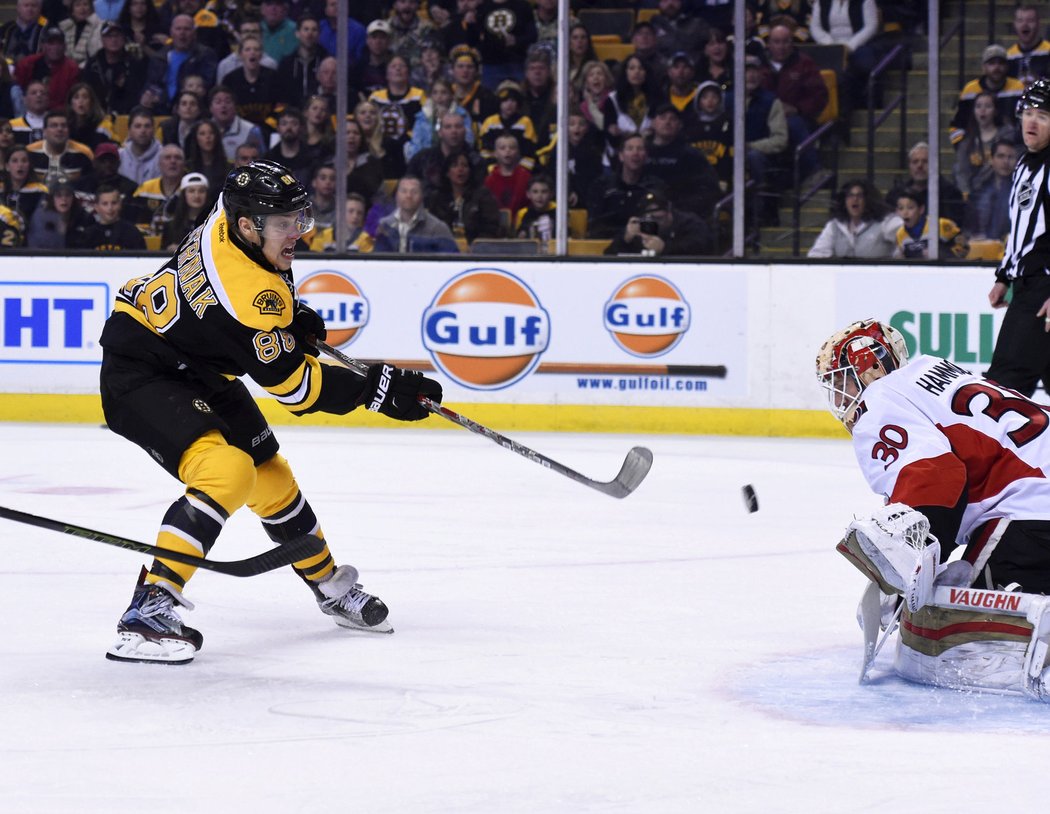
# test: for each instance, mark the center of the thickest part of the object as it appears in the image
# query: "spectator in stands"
(537, 220)
(245, 154)
(973, 155)
(467, 206)
(369, 74)
(210, 30)
(428, 120)
(83, 31)
(291, 151)
(184, 55)
(29, 127)
(50, 66)
(950, 199)
(118, 76)
(913, 235)
(581, 54)
(356, 35)
(597, 108)
(716, 13)
(191, 208)
(690, 181)
(205, 155)
(502, 31)
(510, 120)
(432, 67)
(682, 87)
(795, 78)
(659, 229)
(11, 96)
(358, 240)
(614, 198)
(539, 96)
(799, 12)
(471, 95)
(988, 207)
(23, 36)
(88, 122)
(429, 165)
(298, 70)
(993, 79)
(235, 130)
(379, 145)
(146, 35)
(716, 64)
(546, 19)
(138, 156)
(765, 137)
(55, 154)
(398, 103)
(586, 149)
(250, 26)
(185, 113)
(320, 132)
(328, 81)
(678, 31)
(861, 225)
(105, 169)
(408, 32)
(7, 139)
(278, 31)
(111, 233)
(712, 132)
(322, 194)
(365, 171)
(155, 197)
(256, 88)
(635, 98)
(410, 228)
(508, 181)
(60, 221)
(12, 224)
(24, 191)
(854, 24)
(1028, 58)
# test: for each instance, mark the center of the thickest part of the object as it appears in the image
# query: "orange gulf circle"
(331, 282)
(485, 286)
(646, 287)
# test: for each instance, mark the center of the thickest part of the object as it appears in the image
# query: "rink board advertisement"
(539, 332)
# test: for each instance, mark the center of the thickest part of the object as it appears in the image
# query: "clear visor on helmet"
(288, 224)
(842, 388)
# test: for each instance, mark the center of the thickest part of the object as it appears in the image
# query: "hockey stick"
(635, 466)
(284, 554)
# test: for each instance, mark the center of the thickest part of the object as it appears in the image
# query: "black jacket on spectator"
(689, 235)
(492, 47)
(478, 214)
(611, 202)
(116, 237)
(365, 177)
(119, 86)
(299, 77)
(426, 165)
(16, 43)
(691, 180)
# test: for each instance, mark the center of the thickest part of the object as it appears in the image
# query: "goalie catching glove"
(395, 392)
(894, 548)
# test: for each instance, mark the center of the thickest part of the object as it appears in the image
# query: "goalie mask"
(852, 359)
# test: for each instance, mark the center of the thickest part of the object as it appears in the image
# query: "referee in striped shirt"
(1022, 350)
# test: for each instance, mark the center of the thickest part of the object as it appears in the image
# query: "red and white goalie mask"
(853, 358)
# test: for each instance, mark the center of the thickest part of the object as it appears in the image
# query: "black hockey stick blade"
(635, 466)
(284, 554)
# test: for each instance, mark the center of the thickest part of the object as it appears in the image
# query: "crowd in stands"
(120, 119)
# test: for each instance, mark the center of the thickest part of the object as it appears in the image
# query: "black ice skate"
(151, 630)
(342, 598)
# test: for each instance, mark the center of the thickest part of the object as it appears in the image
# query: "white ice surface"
(556, 650)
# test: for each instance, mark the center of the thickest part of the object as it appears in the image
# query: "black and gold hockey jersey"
(219, 311)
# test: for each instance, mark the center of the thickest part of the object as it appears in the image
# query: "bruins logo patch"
(269, 302)
(201, 406)
(243, 179)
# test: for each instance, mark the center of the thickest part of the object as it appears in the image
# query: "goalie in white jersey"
(962, 462)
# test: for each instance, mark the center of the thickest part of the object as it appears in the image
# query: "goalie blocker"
(951, 634)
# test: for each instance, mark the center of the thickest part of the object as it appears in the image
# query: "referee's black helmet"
(1036, 95)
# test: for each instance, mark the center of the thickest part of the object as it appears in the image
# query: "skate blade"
(136, 648)
(382, 627)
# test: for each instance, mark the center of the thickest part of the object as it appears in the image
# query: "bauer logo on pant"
(340, 302)
(647, 316)
(486, 329)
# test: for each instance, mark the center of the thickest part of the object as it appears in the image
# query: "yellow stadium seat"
(588, 247)
(577, 223)
(831, 109)
(985, 250)
(605, 39)
(152, 243)
(617, 51)
(120, 128)
(618, 21)
(646, 14)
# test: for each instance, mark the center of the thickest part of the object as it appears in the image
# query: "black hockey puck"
(750, 498)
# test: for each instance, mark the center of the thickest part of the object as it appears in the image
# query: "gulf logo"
(647, 316)
(339, 301)
(486, 329)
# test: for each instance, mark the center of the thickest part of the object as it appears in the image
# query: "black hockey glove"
(307, 327)
(394, 392)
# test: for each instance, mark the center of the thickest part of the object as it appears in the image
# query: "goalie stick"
(635, 466)
(284, 554)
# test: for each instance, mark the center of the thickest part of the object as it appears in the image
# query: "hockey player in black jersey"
(222, 307)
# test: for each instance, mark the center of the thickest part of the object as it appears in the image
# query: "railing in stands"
(900, 100)
(716, 227)
(820, 179)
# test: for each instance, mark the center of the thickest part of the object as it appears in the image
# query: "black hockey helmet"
(260, 189)
(1036, 95)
